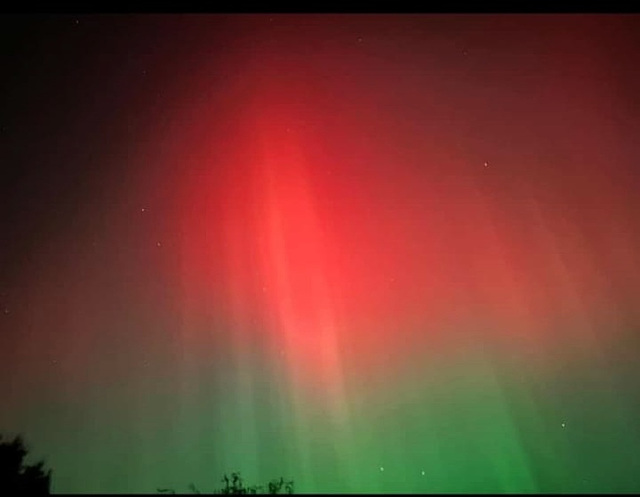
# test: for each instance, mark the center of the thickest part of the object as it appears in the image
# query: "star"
(486, 164)
(143, 210)
(422, 473)
(563, 425)
(159, 244)
(381, 468)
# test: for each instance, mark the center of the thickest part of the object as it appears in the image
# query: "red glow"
(345, 216)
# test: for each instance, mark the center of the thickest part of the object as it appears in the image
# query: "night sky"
(368, 253)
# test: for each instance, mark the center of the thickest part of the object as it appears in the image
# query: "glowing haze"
(368, 253)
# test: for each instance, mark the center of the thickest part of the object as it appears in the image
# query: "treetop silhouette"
(234, 485)
(16, 477)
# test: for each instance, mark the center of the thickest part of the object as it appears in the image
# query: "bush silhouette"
(234, 485)
(16, 477)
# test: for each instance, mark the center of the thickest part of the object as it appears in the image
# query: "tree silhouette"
(16, 477)
(234, 485)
